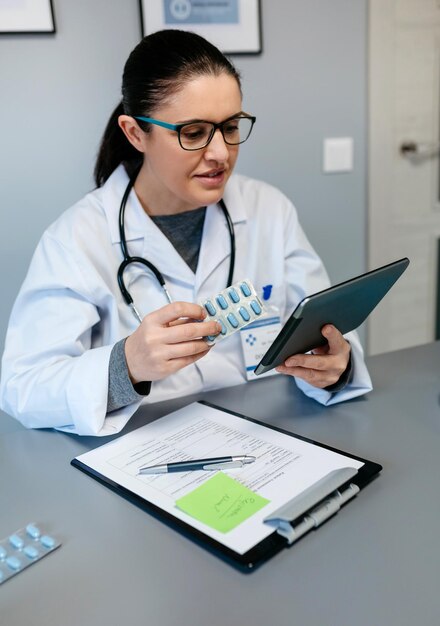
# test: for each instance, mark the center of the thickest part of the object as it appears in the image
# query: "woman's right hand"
(167, 340)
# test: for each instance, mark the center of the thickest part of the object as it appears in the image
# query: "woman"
(76, 357)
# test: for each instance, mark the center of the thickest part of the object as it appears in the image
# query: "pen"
(220, 462)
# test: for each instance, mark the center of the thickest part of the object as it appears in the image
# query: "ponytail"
(114, 150)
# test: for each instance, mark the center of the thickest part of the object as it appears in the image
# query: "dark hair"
(156, 69)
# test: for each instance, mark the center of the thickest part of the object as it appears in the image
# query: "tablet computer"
(345, 305)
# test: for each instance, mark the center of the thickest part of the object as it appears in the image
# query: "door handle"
(414, 149)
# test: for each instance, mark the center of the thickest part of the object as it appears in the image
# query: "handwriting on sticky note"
(221, 503)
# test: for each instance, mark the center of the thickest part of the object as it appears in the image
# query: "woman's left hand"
(325, 365)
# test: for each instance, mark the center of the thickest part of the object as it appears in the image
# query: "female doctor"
(94, 333)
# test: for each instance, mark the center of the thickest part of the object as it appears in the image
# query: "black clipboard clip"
(315, 505)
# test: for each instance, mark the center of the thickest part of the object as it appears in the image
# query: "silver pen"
(220, 462)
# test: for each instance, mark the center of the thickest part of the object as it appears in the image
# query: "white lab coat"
(69, 312)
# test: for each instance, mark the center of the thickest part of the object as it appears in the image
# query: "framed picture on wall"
(18, 17)
(234, 26)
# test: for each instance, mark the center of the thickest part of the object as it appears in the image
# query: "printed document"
(285, 466)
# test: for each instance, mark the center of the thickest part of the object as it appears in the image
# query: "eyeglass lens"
(198, 134)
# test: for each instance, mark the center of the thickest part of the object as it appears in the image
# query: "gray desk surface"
(376, 563)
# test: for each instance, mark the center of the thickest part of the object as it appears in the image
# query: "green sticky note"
(221, 503)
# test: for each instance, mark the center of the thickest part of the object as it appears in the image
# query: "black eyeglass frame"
(178, 128)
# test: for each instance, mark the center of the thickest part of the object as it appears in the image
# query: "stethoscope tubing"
(128, 259)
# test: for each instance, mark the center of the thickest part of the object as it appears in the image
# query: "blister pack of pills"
(22, 548)
(234, 307)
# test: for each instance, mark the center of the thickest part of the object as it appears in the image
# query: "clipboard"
(283, 525)
(345, 305)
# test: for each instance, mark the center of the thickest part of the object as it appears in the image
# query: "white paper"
(284, 468)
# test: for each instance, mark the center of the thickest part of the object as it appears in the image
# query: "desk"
(376, 563)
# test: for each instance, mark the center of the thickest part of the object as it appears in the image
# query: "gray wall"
(58, 91)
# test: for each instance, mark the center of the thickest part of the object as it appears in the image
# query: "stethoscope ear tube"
(133, 259)
(232, 238)
(121, 224)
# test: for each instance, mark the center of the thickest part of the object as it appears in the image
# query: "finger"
(187, 348)
(321, 349)
(175, 311)
(317, 378)
(181, 320)
(191, 330)
(334, 338)
(174, 365)
(308, 361)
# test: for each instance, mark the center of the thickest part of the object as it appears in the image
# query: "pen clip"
(220, 466)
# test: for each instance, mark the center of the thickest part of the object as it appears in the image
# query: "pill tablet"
(244, 313)
(232, 320)
(33, 531)
(31, 552)
(13, 562)
(210, 308)
(48, 542)
(221, 301)
(16, 542)
(245, 289)
(256, 308)
(233, 295)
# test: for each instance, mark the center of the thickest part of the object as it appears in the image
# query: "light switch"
(338, 154)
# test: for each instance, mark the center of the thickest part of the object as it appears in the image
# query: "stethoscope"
(137, 259)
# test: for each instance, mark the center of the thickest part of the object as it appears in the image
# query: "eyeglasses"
(197, 134)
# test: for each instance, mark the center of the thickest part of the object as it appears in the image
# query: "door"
(404, 208)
